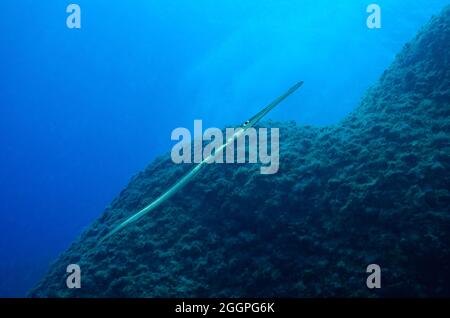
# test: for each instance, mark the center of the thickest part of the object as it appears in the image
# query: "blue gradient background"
(81, 111)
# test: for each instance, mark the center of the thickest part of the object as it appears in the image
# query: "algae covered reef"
(374, 188)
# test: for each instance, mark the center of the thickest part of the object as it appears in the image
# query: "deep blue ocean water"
(81, 111)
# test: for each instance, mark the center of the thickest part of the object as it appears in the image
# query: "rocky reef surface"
(374, 188)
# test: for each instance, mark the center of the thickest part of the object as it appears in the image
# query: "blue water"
(81, 111)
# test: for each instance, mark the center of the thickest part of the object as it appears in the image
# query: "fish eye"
(246, 123)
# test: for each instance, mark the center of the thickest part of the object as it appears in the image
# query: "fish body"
(191, 174)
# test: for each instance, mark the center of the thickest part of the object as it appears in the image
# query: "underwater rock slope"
(371, 189)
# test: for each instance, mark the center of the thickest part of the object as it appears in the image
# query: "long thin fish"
(191, 174)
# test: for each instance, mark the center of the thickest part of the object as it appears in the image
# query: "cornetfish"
(191, 174)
